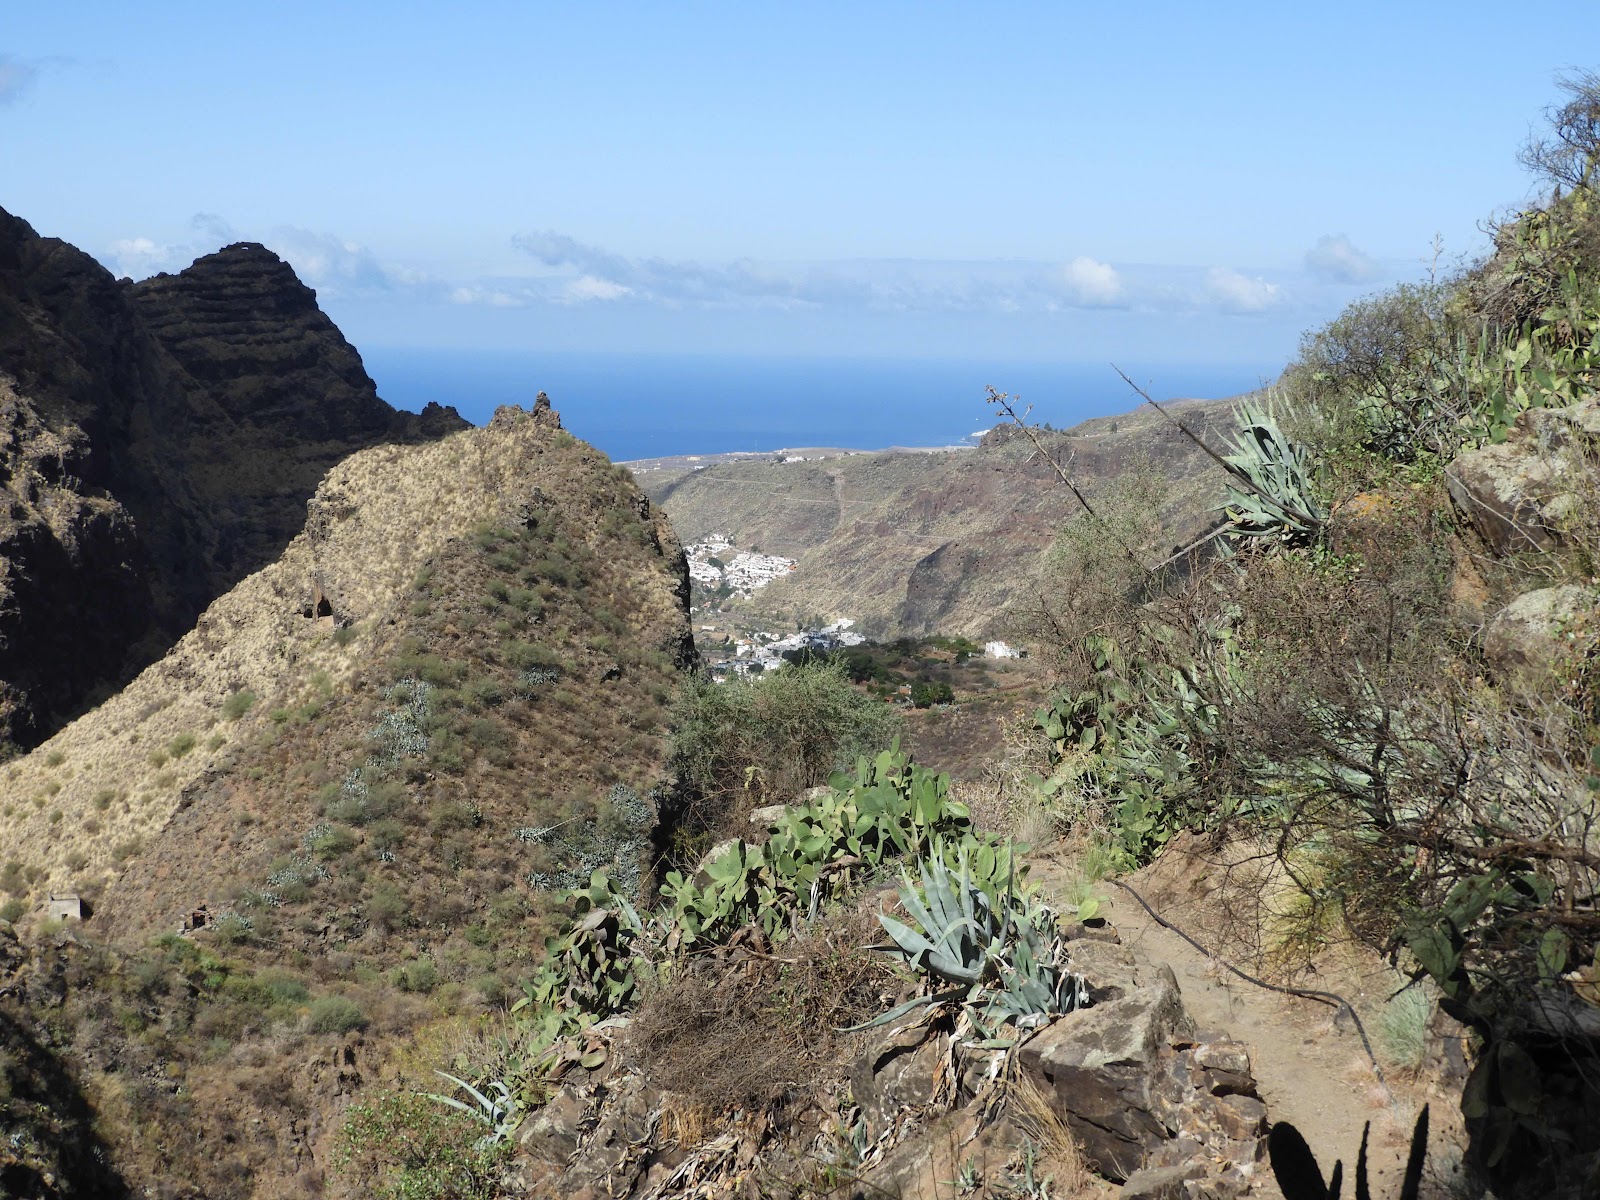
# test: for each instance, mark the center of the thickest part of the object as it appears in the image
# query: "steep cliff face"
(158, 442)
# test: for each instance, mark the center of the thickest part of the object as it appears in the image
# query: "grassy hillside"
(372, 809)
(1390, 692)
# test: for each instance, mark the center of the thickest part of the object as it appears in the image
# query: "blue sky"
(1051, 182)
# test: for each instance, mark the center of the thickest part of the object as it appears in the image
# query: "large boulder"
(1520, 493)
(1527, 640)
(1141, 1089)
(901, 1068)
(1104, 1067)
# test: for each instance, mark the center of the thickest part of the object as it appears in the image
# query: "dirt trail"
(1310, 1067)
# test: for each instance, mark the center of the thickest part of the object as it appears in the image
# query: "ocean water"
(650, 405)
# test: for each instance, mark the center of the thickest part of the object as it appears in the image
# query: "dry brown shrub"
(750, 1030)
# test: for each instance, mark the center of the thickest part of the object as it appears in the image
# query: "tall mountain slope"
(158, 442)
(351, 767)
(947, 542)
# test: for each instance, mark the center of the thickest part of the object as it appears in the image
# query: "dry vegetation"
(757, 1030)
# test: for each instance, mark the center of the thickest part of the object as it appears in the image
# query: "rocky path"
(1309, 1064)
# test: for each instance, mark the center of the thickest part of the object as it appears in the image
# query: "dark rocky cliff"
(158, 442)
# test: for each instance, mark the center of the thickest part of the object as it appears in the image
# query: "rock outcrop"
(158, 442)
(1148, 1101)
(1527, 640)
(1519, 494)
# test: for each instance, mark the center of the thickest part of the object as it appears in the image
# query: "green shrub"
(237, 704)
(181, 745)
(485, 733)
(233, 929)
(491, 989)
(405, 1146)
(282, 988)
(331, 841)
(336, 1014)
(386, 834)
(523, 655)
(12, 909)
(418, 975)
(388, 907)
(123, 851)
(753, 741)
(1403, 1027)
(482, 693)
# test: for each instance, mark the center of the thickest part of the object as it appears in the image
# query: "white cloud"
(590, 287)
(1092, 283)
(1242, 293)
(493, 297)
(141, 257)
(1337, 260)
(579, 272)
(325, 260)
(332, 264)
(17, 75)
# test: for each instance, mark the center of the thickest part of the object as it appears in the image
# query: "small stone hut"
(65, 908)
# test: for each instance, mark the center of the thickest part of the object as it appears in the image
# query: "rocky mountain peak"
(161, 440)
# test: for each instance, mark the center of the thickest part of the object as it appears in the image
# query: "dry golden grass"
(1060, 1158)
(755, 1031)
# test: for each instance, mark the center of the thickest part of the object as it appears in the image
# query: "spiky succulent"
(993, 952)
(1271, 499)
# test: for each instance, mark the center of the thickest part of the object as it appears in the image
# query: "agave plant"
(498, 1111)
(991, 952)
(1272, 499)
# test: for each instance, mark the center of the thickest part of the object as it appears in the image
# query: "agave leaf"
(483, 1101)
(894, 1014)
(914, 943)
(955, 969)
(474, 1113)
